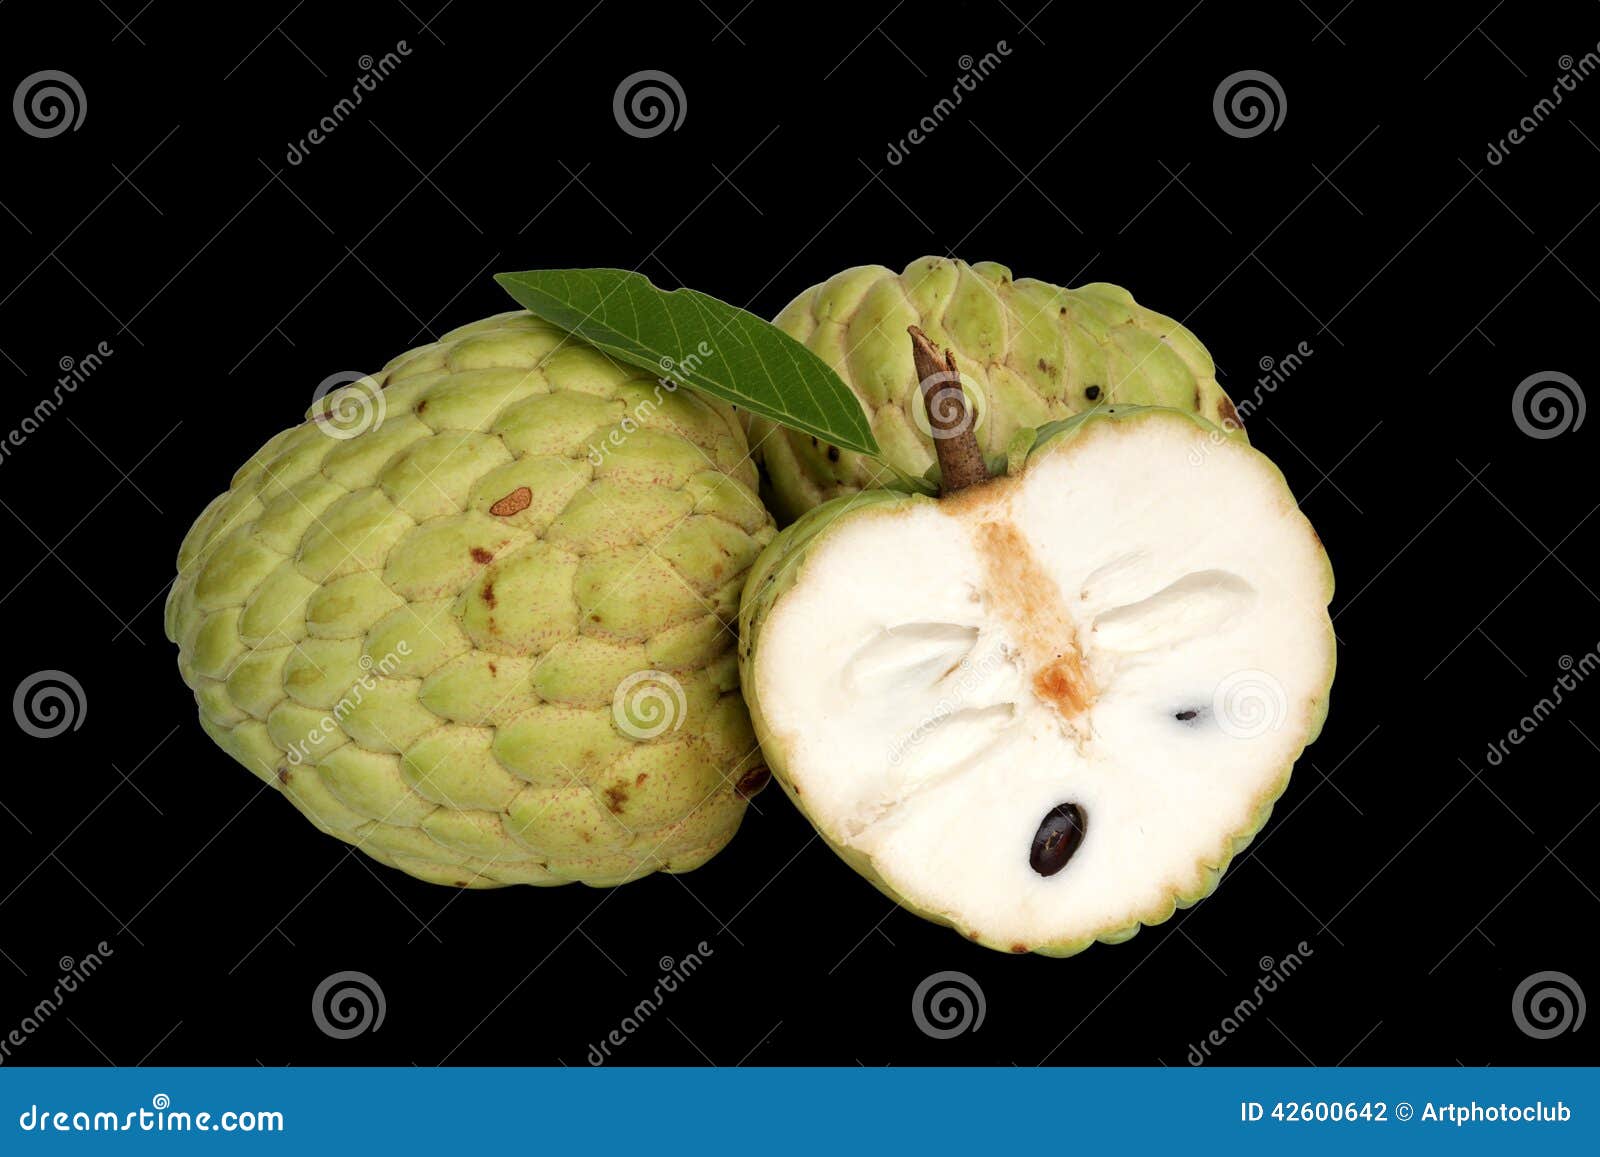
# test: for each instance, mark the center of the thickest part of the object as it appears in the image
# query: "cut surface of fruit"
(1049, 708)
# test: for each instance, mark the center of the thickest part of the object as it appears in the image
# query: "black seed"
(1185, 716)
(1092, 393)
(1059, 834)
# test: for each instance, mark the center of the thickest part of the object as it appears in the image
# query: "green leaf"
(698, 342)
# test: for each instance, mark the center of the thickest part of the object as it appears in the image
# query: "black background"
(1426, 282)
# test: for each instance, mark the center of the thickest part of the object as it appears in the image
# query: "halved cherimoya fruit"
(1047, 707)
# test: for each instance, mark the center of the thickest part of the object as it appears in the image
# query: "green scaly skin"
(781, 565)
(1030, 353)
(485, 638)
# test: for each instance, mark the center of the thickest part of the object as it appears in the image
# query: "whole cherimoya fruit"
(1049, 707)
(473, 615)
(1028, 353)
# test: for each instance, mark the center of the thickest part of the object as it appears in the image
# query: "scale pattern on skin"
(418, 633)
(1028, 352)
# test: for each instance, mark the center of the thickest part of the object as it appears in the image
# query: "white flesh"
(920, 678)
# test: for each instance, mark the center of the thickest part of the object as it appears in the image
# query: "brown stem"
(961, 462)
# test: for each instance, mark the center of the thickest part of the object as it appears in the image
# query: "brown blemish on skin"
(833, 453)
(1019, 948)
(481, 556)
(1229, 415)
(616, 796)
(753, 781)
(493, 670)
(514, 503)
(421, 406)
(283, 775)
(488, 598)
(640, 778)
